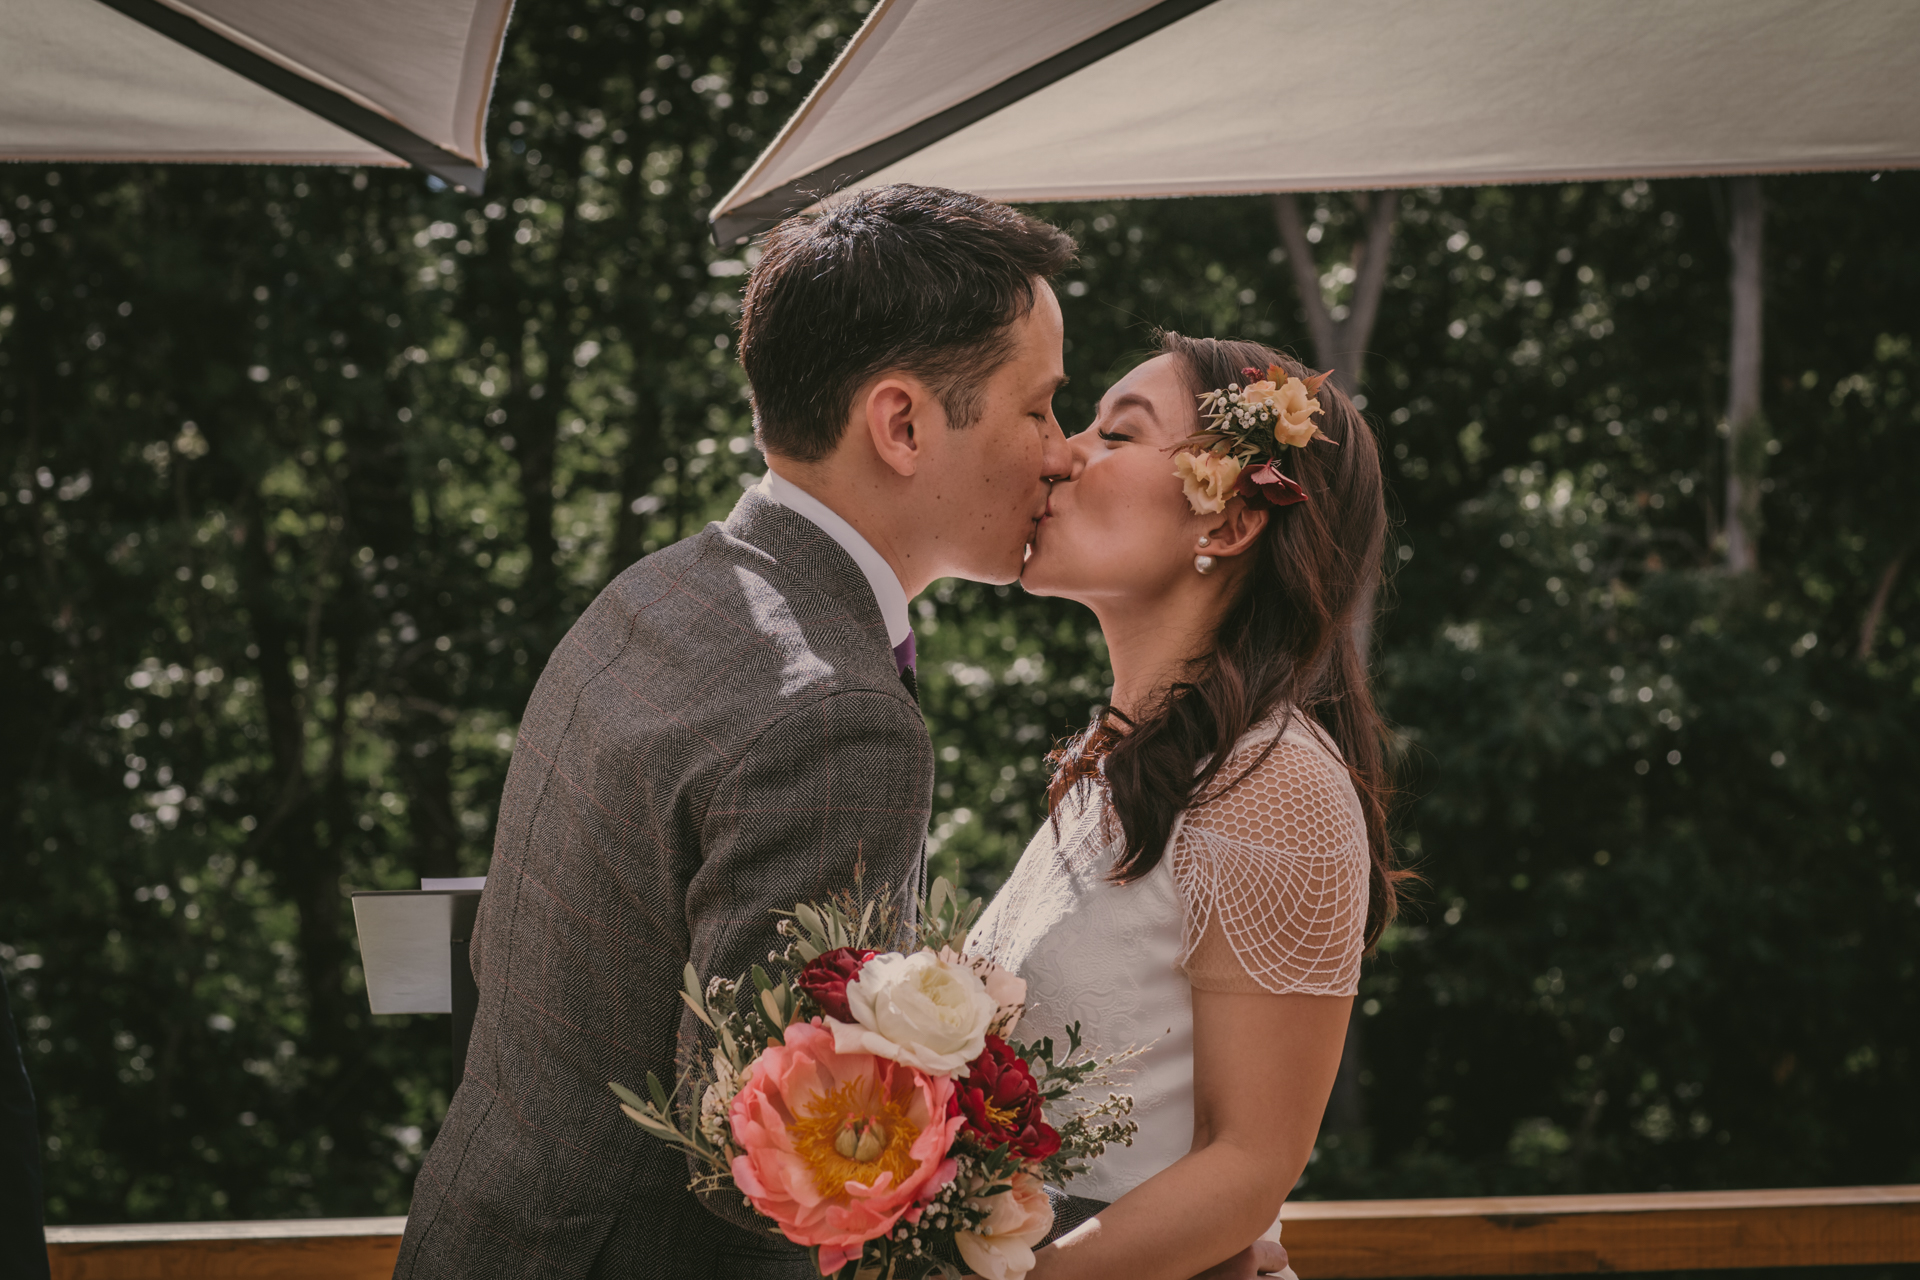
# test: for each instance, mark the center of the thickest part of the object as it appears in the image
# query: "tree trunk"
(1341, 345)
(1746, 431)
(1870, 624)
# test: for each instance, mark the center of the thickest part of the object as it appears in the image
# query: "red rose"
(1001, 1103)
(826, 976)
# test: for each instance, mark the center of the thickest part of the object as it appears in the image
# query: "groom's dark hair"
(918, 279)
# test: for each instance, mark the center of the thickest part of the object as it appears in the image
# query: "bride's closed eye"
(1114, 436)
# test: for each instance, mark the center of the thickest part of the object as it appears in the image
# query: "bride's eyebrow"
(1134, 400)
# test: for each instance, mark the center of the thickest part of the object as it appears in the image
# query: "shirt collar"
(887, 591)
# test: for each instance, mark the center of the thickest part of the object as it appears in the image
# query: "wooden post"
(466, 992)
(1746, 431)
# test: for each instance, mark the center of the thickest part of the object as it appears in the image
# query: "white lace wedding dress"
(1263, 888)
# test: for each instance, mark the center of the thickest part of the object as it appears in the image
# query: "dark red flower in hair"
(1272, 484)
(826, 976)
(1001, 1103)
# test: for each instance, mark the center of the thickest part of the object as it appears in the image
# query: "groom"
(733, 726)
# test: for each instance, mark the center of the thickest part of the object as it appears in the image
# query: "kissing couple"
(733, 727)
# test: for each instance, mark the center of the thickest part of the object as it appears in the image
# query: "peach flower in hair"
(1209, 479)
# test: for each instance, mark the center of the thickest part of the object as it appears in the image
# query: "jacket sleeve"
(836, 790)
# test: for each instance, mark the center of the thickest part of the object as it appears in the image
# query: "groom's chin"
(1036, 584)
(994, 577)
(1003, 573)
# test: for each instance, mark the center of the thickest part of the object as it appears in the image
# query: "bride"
(1217, 860)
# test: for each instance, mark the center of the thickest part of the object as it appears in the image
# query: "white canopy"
(1087, 99)
(297, 81)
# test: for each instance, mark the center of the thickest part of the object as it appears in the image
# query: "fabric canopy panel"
(1086, 99)
(346, 82)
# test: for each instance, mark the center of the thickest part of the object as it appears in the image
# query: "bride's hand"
(1261, 1258)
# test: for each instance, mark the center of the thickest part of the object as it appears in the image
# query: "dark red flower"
(1001, 1103)
(826, 976)
(1267, 480)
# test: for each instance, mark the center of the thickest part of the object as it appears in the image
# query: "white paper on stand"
(404, 937)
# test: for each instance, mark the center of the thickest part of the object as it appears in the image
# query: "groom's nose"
(1077, 450)
(1056, 457)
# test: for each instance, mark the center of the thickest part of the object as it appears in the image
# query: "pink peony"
(837, 1147)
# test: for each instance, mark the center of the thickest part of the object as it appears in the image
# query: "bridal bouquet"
(874, 1107)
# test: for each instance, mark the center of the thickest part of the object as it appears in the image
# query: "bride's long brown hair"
(1286, 641)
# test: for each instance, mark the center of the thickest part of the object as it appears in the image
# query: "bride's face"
(1118, 527)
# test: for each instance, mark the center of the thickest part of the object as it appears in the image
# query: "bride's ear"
(1238, 528)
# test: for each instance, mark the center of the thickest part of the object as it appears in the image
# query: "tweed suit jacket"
(723, 732)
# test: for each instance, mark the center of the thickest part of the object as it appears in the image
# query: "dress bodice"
(1263, 887)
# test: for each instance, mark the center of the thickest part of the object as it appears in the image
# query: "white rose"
(919, 1010)
(1018, 1219)
(1008, 990)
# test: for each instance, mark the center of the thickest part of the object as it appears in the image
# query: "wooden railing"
(1327, 1239)
(1543, 1235)
(298, 1249)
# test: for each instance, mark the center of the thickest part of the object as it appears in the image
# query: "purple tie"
(903, 654)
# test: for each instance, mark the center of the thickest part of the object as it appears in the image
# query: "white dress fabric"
(1263, 888)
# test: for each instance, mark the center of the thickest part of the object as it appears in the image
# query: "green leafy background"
(307, 470)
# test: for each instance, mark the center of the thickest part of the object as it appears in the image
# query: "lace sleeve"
(1274, 874)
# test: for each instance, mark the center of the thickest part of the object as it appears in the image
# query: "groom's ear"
(900, 414)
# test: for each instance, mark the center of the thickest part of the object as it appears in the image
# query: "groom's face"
(991, 476)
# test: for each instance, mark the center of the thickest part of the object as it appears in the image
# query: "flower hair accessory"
(1238, 451)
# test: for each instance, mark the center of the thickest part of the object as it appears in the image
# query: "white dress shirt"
(887, 591)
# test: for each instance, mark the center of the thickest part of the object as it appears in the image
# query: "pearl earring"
(1205, 541)
(1204, 564)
